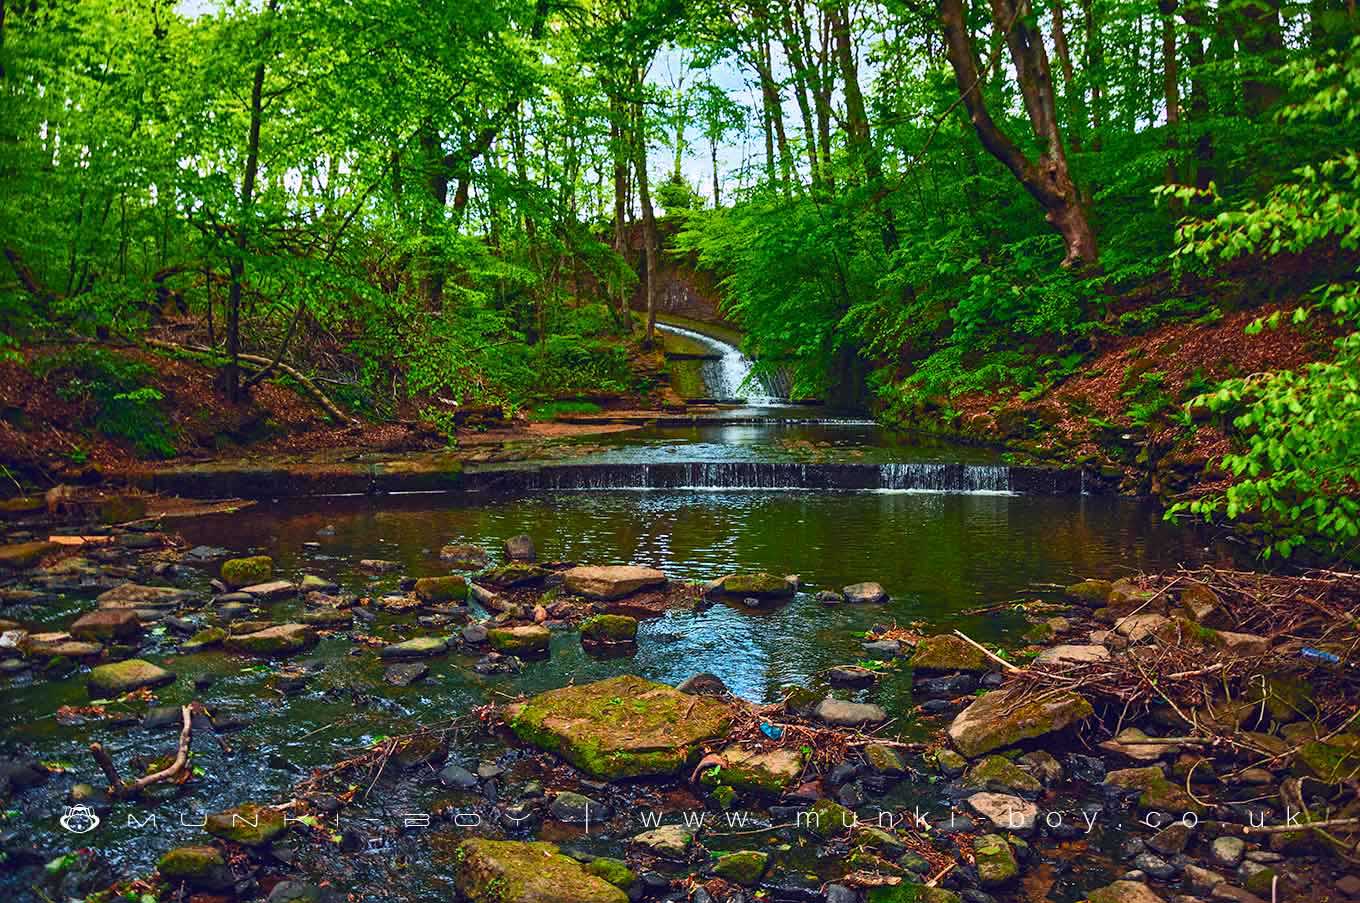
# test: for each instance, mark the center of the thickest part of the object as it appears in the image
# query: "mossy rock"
(282, 639)
(615, 871)
(464, 557)
(417, 647)
(250, 825)
(516, 573)
(1002, 718)
(508, 871)
(1090, 593)
(1287, 698)
(1000, 774)
(950, 763)
(761, 586)
(531, 639)
(609, 629)
(1333, 762)
(744, 868)
(24, 555)
(123, 677)
(826, 818)
(201, 866)
(206, 638)
(767, 772)
(886, 759)
(995, 860)
(911, 893)
(623, 727)
(239, 572)
(434, 590)
(944, 653)
(1123, 892)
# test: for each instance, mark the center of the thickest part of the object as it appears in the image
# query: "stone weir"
(439, 474)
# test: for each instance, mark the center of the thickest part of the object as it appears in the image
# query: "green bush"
(116, 394)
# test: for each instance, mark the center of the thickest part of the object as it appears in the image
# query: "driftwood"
(124, 789)
(311, 388)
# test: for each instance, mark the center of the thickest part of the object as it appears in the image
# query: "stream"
(942, 528)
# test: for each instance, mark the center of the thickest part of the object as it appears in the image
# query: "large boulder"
(622, 727)
(509, 871)
(759, 586)
(944, 653)
(1003, 717)
(106, 624)
(239, 572)
(115, 679)
(608, 582)
(282, 639)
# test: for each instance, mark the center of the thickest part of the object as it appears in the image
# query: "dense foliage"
(444, 204)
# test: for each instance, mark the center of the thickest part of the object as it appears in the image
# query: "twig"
(124, 790)
(987, 652)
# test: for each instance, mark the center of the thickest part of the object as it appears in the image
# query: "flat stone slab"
(136, 596)
(274, 589)
(123, 677)
(1003, 717)
(1072, 655)
(107, 624)
(608, 582)
(283, 639)
(865, 593)
(1005, 812)
(420, 647)
(759, 586)
(510, 871)
(622, 727)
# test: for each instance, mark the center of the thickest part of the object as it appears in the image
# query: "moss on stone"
(531, 639)
(744, 868)
(999, 719)
(947, 653)
(615, 871)
(998, 773)
(441, 589)
(125, 676)
(250, 824)
(621, 727)
(609, 629)
(194, 864)
(763, 586)
(239, 572)
(206, 638)
(995, 860)
(507, 871)
(911, 893)
(516, 573)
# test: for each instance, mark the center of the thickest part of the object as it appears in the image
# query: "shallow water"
(940, 555)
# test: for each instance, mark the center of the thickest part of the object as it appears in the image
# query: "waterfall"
(775, 476)
(728, 378)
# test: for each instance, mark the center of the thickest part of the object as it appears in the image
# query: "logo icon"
(79, 820)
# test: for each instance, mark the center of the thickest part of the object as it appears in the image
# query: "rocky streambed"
(1164, 737)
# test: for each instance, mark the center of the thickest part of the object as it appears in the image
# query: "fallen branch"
(123, 790)
(987, 652)
(311, 388)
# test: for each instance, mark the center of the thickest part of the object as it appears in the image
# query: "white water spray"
(729, 378)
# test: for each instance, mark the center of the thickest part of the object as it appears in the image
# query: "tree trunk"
(1072, 92)
(619, 147)
(1095, 71)
(713, 154)
(1171, 89)
(1047, 180)
(1193, 14)
(1259, 34)
(649, 239)
(857, 122)
(236, 266)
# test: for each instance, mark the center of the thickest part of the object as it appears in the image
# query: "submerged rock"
(403, 675)
(1003, 717)
(123, 677)
(865, 593)
(520, 548)
(508, 871)
(621, 727)
(612, 581)
(239, 572)
(136, 596)
(465, 557)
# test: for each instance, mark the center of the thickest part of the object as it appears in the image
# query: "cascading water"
(783, 476)
(729, 378)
